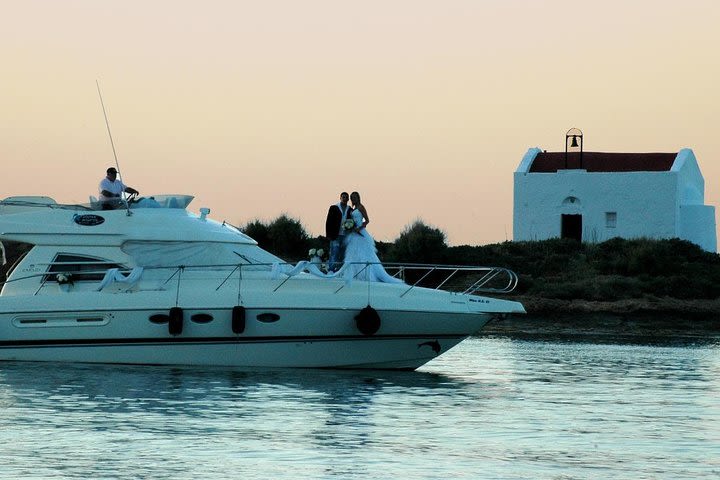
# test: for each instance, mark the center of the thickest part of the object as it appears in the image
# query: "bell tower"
(574, 136)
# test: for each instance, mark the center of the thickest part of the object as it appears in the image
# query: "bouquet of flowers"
(348, 224)
(64, 279)
(316, 252)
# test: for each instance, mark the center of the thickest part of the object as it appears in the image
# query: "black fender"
(238, 319)
(368, 321)
(175, 324)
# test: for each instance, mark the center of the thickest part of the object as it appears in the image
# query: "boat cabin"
(49, 247)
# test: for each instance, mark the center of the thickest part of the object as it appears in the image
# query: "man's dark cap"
(112, 170)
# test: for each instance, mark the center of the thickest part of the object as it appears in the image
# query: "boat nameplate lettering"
(88, 220)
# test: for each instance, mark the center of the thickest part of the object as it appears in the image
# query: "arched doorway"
(571, 227)
(571, 223)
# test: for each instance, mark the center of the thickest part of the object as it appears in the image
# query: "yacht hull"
(155, 284)
(381, 352)
(301, 338)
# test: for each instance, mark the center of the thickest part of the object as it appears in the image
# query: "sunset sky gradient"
(426, 107)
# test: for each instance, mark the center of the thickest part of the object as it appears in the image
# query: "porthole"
(268, 317)
(202, 318)
(160, 318)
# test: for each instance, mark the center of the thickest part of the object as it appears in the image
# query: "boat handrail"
(498, 280)
(463, 279)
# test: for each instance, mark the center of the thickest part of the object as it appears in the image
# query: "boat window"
(80, 267)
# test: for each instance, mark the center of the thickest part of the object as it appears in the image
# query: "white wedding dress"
(361, 261)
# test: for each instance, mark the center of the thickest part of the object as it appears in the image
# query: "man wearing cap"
(111, 189)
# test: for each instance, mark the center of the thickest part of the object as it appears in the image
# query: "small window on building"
(611, 219)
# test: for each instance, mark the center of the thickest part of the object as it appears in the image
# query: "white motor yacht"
(155, 284)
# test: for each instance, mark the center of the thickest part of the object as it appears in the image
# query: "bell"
(574, 141)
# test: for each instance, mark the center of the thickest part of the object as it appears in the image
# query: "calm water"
(491, 408)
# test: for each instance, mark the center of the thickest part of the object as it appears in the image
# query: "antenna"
(107, 124)
(112, 144)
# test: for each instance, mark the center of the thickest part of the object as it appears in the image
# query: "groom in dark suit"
(335, 232)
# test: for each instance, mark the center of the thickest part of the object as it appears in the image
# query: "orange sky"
(425, 107)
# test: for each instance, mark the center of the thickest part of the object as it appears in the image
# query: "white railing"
(454, 278)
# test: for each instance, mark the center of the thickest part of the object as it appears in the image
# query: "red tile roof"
(547, 162)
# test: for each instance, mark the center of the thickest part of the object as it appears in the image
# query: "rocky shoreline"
(652, 320)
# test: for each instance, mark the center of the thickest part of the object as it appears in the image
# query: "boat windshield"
(162, 201)
(20, 204)
(154, 201)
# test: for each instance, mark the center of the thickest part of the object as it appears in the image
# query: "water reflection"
(641, 408)
(291, 413)
(506, 408)
(195, 391)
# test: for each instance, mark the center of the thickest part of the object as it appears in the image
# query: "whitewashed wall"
(647, 204)
(694, 225)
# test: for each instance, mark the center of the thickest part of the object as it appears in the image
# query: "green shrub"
(614, 287)
(284, 236)
(258, 231)
(419, 243)
(289, 238)
(612, 270)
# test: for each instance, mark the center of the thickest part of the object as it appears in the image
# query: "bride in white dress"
(361, 260)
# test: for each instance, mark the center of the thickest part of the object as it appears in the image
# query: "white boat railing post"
(417, 282)
(281, 284)
(447, 279)
(239, 297)
(483, 280)
(228, 277)
(42, 284)
(354, 276)
(368, 286)
(180, 269)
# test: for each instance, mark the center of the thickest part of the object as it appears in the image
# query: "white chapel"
(595, 196)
